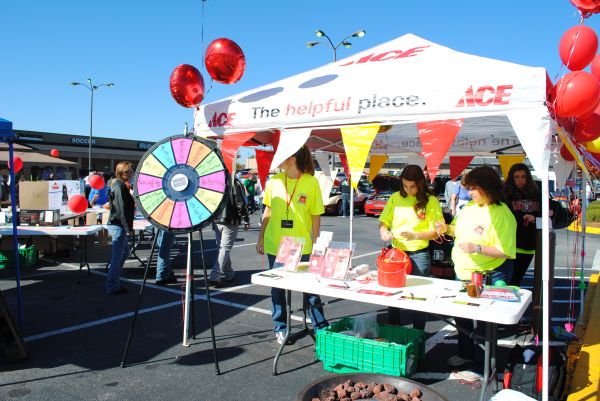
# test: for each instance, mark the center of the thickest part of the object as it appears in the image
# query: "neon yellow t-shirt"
(492, 225)
(307, 201)
(399, 215)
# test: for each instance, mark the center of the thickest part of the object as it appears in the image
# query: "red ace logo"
(485, 96)
(221, 120)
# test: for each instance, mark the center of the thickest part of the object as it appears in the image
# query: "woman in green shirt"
(293, 207)
(409, 221)
(484, 241)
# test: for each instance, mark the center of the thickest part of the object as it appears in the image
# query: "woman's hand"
(528, 218)
(260, 246)
(386, 235)
(410, 236)
(467, 247)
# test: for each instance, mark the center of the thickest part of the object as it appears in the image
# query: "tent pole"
(584, 202)
(545, 280)
(15, 222)
(351, 209)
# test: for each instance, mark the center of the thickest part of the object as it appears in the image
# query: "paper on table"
(49, 216)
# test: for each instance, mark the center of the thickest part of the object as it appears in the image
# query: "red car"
(384, 186)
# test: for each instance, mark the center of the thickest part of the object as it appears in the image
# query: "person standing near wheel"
(120, 224)
(293, 207)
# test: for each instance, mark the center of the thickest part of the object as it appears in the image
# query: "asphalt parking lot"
(76, 335)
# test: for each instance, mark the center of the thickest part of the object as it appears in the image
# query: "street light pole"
(344, 42)
(92, 88)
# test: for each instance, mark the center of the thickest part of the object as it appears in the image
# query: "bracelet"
(478, 249)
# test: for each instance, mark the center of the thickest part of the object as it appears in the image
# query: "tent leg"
(15, 238)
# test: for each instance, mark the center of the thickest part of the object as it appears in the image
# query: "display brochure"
(317, 257)
(289, 253)
(505, 293)
(337, 260)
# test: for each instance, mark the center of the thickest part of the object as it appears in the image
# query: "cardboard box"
(49, 194)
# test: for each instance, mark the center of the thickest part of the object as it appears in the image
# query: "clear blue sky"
(136, 44)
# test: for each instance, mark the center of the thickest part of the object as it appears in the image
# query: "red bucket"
(392, 267)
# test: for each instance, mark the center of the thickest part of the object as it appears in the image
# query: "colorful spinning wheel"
(181, 184)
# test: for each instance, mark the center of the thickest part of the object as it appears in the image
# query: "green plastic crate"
(27, 257)
(342, 353)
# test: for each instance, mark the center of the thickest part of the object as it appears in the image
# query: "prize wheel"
(181, 184)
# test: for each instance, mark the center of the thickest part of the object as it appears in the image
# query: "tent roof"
(6, 129)
(35, 158)
(398, 84)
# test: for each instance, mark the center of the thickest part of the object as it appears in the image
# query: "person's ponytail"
(304, 160)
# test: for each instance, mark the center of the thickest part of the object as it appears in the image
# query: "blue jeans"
(421, 266)
(225, 235)
(164, 241)
(120, 251)
(279, 312)
(466, 345)
(345, 204)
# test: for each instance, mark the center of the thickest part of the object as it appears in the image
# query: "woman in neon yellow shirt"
(484, 240)
(293, 207)
(409, 221)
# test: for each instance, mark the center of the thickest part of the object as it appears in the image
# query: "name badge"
(287, 223)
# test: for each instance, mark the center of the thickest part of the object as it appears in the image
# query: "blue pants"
(421, 266)
(345, 204)
(120, 251)
(164, 241)
(279, 312)
(466, 345)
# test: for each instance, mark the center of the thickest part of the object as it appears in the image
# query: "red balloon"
(77, 204)
(595, 67)
(587, 129)
(96, 181)
(587, 7)
(187, 85)
(578, 47)
(596, 156)
(54, 153)
(225, 61)
(565, 154)
(18, 163)
(576, 94)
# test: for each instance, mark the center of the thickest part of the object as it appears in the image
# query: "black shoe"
(168, 280)
(229, 279)
(215, 283)
(121, 290)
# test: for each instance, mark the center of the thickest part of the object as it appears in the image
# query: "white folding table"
(431, 295)
(57, 231)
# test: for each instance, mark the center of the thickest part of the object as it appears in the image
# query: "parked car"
(334, 203)
(383, 187)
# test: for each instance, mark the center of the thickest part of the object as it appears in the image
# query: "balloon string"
(202, 30)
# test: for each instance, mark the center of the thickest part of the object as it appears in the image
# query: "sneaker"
(215, 283)
(120, 291)
(279, 337)
(456, 361)
(229, 279)
(168, 280)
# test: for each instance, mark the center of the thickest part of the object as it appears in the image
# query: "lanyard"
(289, 201)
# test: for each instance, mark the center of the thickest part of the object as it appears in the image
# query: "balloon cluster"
(575, 98)
(225, 63)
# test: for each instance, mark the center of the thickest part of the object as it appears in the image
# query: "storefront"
(106, 152)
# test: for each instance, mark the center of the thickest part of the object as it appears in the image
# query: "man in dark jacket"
(226, 228)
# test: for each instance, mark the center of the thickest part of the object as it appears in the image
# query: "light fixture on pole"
(344, 42)
(92, 88)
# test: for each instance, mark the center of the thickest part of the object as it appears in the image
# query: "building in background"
(106, 152)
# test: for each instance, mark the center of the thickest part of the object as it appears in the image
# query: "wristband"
(478, 249)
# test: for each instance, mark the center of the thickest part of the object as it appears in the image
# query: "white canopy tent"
(399, 84)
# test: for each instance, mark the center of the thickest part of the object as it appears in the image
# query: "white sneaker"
(279, 337)
(456, 361)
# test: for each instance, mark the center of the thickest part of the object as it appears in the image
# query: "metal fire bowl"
(403, 385)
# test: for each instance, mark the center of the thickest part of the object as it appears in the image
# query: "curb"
(585, 383)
